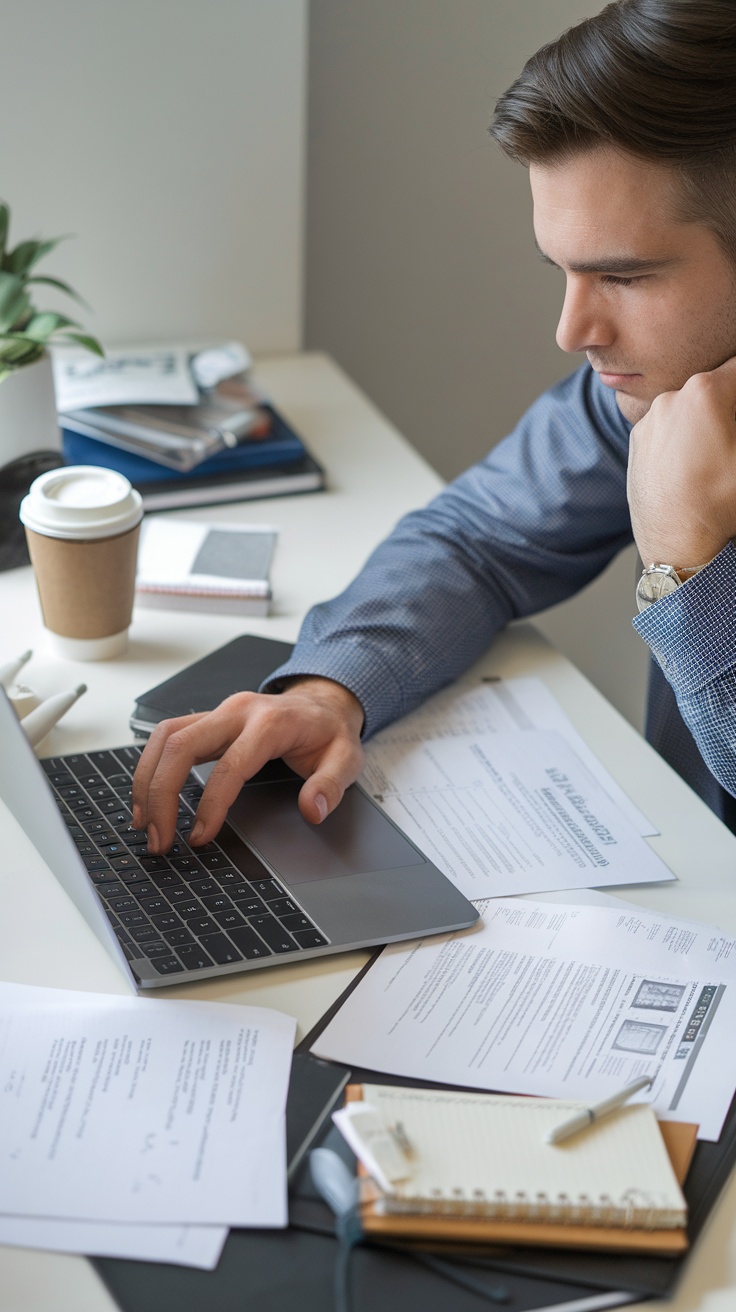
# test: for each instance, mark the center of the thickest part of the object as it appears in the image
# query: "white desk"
(324, 538)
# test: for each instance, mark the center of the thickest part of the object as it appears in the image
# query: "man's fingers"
(149, 761)
(339, 766)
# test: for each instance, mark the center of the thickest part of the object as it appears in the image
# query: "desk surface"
(375, 476)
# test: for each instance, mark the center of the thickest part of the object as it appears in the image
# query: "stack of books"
(204, 445)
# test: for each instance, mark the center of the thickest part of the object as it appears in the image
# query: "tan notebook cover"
(680, 1140)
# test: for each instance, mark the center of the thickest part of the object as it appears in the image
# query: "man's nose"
(585, 322)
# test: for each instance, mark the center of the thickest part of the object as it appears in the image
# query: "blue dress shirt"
(526, 527)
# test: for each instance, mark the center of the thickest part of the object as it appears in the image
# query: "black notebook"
(239, 666)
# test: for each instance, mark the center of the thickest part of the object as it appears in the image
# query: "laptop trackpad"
(355, 839)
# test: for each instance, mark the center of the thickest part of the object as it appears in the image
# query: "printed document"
(179, 1245)
(508, 813)
(492, 707)
(131, 376)
(138, 1110)
(556, 1000)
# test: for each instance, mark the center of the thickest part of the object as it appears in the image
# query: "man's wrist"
(329, 690)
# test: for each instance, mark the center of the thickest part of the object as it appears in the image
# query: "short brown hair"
(656, 78)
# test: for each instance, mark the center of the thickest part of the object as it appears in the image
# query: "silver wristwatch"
(659, 581)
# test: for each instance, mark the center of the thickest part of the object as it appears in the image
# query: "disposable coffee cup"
(82, 524)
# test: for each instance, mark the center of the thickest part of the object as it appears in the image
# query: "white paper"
(169, 550)
(181, 1245)
(183, 1102)
(503, 705)
(509, 813)
(134, 376)
(560, 1001)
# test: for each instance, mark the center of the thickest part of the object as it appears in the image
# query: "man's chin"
(631, 407)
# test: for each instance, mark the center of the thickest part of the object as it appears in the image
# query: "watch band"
(659, 580)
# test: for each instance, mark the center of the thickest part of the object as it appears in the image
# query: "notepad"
(480, 1158)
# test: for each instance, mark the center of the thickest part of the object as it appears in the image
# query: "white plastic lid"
(81, 501)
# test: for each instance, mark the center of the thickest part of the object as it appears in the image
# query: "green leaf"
(61, 286)
(83, 339)
(28, 253)
(43, 325)
(19, 350)
(14, 300)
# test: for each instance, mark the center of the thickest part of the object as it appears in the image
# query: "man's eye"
(615, 280)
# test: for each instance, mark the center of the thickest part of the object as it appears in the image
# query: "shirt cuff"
(692, 632)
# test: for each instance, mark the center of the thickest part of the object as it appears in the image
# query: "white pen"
(11, 668)
(582, 1119)
(38, 723)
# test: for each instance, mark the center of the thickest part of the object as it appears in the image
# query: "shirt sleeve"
(526, 527)
(692, 635)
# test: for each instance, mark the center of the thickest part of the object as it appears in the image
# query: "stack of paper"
(189, 565)
(496, 787)
(558, 1000)
(139, 1128)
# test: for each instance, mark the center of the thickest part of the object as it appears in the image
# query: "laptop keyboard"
(190, 909)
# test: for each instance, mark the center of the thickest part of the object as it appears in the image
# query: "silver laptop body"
(356, 880)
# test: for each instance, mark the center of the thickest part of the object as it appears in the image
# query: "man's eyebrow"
(611, 263)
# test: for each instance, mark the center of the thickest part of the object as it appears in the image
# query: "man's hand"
(315, 725)
(682, 472)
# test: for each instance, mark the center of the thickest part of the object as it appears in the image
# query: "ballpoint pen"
(11, 668)
(41, 721)
(588, 1115)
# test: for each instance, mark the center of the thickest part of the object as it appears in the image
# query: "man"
(628, 126)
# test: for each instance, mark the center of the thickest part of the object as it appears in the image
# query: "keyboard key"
(92, 780)
(267, 888)
(167, 966)
(194, 958)
(178, 937)
(204, 887)
(105, 762)
(112, 849)
(220, 947)
(57, 777)
(78, 764)
(229, 919)
(166, 920)
(96, 862)
(100, 792)
(297, 921)
(191, 910)
(153, 906)
(131, 918)
(168, 882)
(202, 926)
(84, 813)
(179, 894)
(100, 827)
(214, 860)
(276, 937)
(282, 906)
(123, 936)
(119, 904)
(112, 889)
(309, 938)
(72, 793)
(134, 876)
(154, 863)
(188, 867)
(249, 943)
(246, 901)
(85, 848)
(127, 862)
(230, 878)
(103, 876)
(156, 949)
(145, 934)
(129, 757)
(111, 805)
(219, 902)
(119, 817)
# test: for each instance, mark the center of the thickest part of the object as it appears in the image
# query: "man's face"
(650, 299)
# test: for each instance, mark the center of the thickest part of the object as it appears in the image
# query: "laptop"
(269, 890)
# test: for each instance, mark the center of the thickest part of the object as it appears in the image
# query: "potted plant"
(27, 404)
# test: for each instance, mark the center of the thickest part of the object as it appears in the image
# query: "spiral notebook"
(476, 1166)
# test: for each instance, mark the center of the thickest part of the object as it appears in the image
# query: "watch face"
(655, 584)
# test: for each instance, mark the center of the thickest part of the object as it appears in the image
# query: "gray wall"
(168, 137)
(421, 276)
